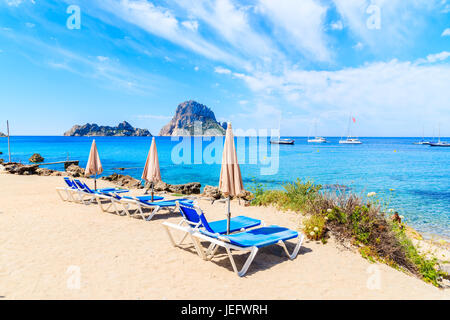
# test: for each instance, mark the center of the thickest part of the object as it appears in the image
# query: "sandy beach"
(45, 242)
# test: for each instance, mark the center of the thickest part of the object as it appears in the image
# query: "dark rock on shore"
(20, 169)
(23, 169)
(214, 193)
(36, 158)
(124, 129)
(75, 171)
(2, 135)
(187, 116)
(211, 192)
(49, 172)
(188, 188)
(124, 181)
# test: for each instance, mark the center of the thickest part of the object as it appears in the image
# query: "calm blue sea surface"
(419, 175)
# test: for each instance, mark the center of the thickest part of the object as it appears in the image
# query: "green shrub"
(314, 227)
(349, 217)
(336, 214)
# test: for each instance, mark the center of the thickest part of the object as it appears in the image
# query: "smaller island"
(2, 135)
(124, 129)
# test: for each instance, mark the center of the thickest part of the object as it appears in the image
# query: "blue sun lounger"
(84, 187)
(70, 190)
(245, 241)
(84, 191)
(193, 218)
(123, 205)
(171, 205)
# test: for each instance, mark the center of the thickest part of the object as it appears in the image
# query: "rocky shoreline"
(125, 181)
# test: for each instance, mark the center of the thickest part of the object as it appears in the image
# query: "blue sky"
(255, 63)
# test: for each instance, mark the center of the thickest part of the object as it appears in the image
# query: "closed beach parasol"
(151, 173)
(94, 166)
(230, 174)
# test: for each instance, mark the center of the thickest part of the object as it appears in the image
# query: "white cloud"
(112, 75)
(438, 56)
(14, 3)
(30, 25)
(401, 22)
(231, 22)
(191, 25)
(446, 33)
(445, 6)
(358, 46)
(102, 58)
(337, 25)
(383, 93)
(301, 22)
(196, 68)
(163, 23)
(222, 70)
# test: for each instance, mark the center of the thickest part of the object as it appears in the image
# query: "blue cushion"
(260, 237)
(189, 213)
(167, 203)
(236, 224)
(145, 198)
(149, 198)
(70, 183)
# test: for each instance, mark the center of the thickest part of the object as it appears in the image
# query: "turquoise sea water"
(419, 175)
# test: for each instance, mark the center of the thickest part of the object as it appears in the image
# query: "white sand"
(41, 237)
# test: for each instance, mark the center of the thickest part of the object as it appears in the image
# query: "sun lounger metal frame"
(216, 240)
(70, 191)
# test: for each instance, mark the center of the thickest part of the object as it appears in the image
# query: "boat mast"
(439, 141)
(315, 128)
(349, 131)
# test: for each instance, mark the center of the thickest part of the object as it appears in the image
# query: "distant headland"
(184, 121)
(124, 129)
(2, 135)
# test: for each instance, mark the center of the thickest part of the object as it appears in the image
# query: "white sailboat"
(423, 142)
(350, 139)
(316, 139)
(279, 140)
(440, 143)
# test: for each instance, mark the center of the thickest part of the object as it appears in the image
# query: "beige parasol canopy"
(94, 166)
(152, 173)
(230, 174)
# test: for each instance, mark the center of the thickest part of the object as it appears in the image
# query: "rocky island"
(187, 114)
(124, 129)
(2, 135)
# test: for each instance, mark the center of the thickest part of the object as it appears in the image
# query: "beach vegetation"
(314, 228)
(363, 221)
